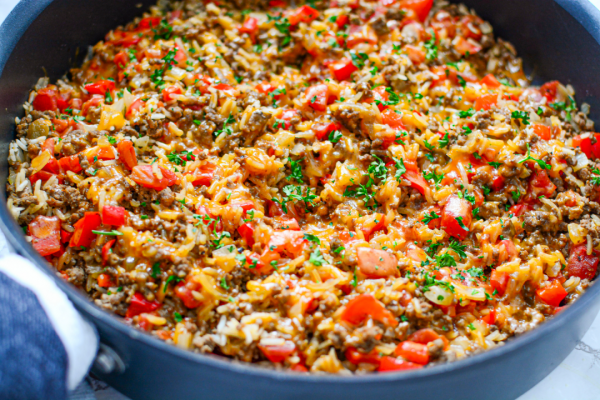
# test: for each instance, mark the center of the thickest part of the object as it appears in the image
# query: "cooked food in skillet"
(329, 187)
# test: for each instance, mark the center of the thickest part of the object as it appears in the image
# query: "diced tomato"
(184, 290)
(83, 235)
(224, 88)
(127, 153)
(374, 263)
(356, 357)
(412, 351)
(582, 264)
(286, 222)
(490, 318)
(140, 305)
(125, 39)
(144, 175)
(277, 3)
(246, 231)
(45, 233)
(552, 294)
(317, 97)
(245, 205)
(203, 176)
(360, 308)
(322, 131)
(421, 8)
(490, 81)
(372, 224)
(134, 107)
(519, 209)
(361, 34)
(250, 26)
(456, 217)
(278, 353)
(288, 241)
(416, 55)
(105, 280)
(543, 131)
(45, 100)
(102, 152)
(100, 87)
(95, 101)
(466, 46)
(298, 368)
(265, 87)
(341, 20)
(106, 251)
(170, 91)
(486, 102)
(70, 163)
(541, 185)
(48, 146)
(207, 216)
(390, 364)
(302, 14)
(416, 181)
(114, 215)
(549, 89)
(148, 23)
(426, 335)
(499, 281)
(508, 250)
(342, 69)
(393, 119)
(121, 59)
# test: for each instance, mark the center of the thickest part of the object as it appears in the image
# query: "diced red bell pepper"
(203, 176)
(421, 8)
(390, 364)
(317, 97)
(144, 175)
(102, 152)
(426, 335)
(497, 182)
(245, 205)
(224, 88)
(302, 14)
(341, 21)
(519, 209)
(552, 294)
(322, 131)
(184, 290)
(106, 251)
(582, 264)
(140, 305)
(45, 233)
(95, 101)
(114, 215)
(288, 223)
(42, 176)
(83, 235)
(148, 23)
(416, 181)
(48, 146)
(585, 144)
(508, 249)
(360, 308)
(250, 26)
(134, 107)
(127, 153)
(105, 280)
(499, 281)
(356, 357)
(456, 217)
(412, 351)
(416, 55)
(490, 318)
(246, 231)
(170, 91)
(486, 102)
(342, 69)
(100, 87)
(543, 131)
(70, 163)
(490, 81)
(65, 236)
(45, 100)
(278, 353)
(549, 89)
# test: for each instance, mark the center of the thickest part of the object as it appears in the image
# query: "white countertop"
(578, 377)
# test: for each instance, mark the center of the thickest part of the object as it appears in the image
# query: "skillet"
(558, 39)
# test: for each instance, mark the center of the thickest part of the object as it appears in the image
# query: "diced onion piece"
(582, 161)
(576, 233)
(439, 295)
